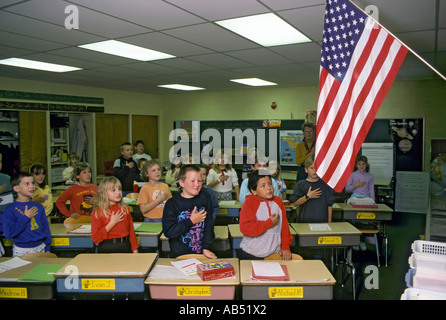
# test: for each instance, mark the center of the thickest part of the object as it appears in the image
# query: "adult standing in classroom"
(305, 149)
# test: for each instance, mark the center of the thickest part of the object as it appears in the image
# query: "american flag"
(359, 62)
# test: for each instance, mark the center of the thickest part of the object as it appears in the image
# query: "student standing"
(6, 192)
(305, 149)
(24, 221)
(263, 221)
(361, 181)
(81, 195)
(223, 178)
(172, 174)
(68, 173)
(186, 222)
(154, 194)
(125, 168)
(42, 193)
(111, 222)
(214, 200)
(139, 148)
(313, 196)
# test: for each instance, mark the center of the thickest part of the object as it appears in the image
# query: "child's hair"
(81, 166)
(148, 165)
(173, 165)
(125, 144)
(101, 201)
(74, 156)
(15, 181)
(138, 142)
(308, 125)
(185, 169)
(36, 168)
(364, 159)
(308, 162)
(254, 178)
(138, 163)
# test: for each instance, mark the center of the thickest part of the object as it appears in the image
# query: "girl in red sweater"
(111, 222)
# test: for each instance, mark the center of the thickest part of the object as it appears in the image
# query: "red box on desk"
(215, 270)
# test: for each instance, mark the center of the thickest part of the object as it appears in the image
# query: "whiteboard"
(412, 191)
(380, 159)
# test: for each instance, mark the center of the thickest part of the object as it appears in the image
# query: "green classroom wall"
(411, 99)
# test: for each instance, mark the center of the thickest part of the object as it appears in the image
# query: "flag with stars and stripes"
(359, 61)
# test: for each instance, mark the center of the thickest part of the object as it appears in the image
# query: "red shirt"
(78, 196)
(121, 229)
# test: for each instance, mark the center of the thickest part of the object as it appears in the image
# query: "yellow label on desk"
(366, 215)
(329, 240)
(285, 292)
(194, 291)
(223, 211)
(98, 284)
(60, 242)
(13, 293)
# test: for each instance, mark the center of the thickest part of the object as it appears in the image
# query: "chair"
(132, 195)
(38, 255)
(191, 256)
(276, 256)
(374, 233)
(108, 168)
(81, 219)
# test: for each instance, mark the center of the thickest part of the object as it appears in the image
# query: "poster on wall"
(408, 137)
(288, 142)
(191, 127)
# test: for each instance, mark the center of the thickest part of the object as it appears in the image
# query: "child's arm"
(173, 228)
(148, 206)
(100, 227)
(15, 223)
(311, 194)
(330, 213)
(132, 235)
(250, 226)
(61, 200)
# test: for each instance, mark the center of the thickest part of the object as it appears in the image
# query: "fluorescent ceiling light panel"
(180, 87)
(265, 29)
(126, 50)
(37, 65)
(254, 82)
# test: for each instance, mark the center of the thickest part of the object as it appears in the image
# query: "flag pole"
(402, 43)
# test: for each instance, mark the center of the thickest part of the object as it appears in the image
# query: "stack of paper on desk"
(83, 229)
(270, 271)
(362, 203)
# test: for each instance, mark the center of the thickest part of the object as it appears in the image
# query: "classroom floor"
(401, 232)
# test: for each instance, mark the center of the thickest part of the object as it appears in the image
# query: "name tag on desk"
(329, 240)
(366, 215)
(193, 291)
(98, 284)
(285, 292)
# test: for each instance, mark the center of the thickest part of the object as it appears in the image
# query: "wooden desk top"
(14, 274)
(61, 229)
(381, 208)
(301, 272)
(196, 281)
(234, 230)
(337, 228)
(116, 265)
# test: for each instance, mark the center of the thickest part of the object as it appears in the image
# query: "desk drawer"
(328, 240)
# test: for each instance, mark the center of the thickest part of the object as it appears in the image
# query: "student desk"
(105, 273)
(236, 237)
(194, 288)
(309, 280)
(12, 287)
(379, 215)
(221, 242)
(340, 235)
(229, 210)
(62, 239)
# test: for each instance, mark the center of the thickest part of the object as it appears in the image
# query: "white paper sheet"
(12, 264)
(267, 269)
(319, 227)
(187, 266)
(167, 272)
